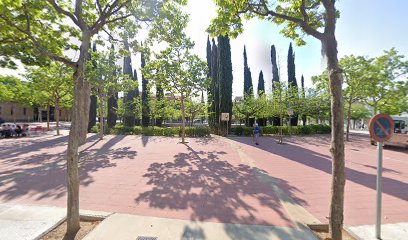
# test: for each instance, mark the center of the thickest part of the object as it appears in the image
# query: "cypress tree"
(215, 103)
(94, 102)
(209, 89)
(261, 84)
(302, 82)
(291, 68)
(276, 121)
(225, 79)
(112, 116)
(292, 83)
(248, 86)
(145, 97)
(137, 95)
(261, 91)
(129, 119)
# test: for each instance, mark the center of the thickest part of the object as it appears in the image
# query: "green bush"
(171, 131)
(320, 129)
(120, 129)
(95, 129)
(196, 131)
(286, 130)
(238, 131)
(137, 130)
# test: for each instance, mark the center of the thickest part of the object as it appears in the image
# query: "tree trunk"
(56, 112)
(329, 44)
(183, 118)
(77, 136)
(304, 119)
(375, 108)
(85, 92)
(48, 118)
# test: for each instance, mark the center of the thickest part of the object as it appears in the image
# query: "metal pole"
(379, 191)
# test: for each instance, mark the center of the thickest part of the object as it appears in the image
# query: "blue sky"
(365, 27)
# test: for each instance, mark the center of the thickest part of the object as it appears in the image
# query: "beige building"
(12, 112)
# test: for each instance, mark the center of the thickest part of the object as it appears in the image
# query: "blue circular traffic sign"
(381, 127)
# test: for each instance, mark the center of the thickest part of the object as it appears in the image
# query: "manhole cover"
(147, 238)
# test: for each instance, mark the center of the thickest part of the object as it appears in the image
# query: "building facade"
(13, 112)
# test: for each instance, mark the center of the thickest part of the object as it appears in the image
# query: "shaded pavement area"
(226, 180)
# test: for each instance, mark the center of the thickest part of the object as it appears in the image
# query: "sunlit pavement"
(226, 180)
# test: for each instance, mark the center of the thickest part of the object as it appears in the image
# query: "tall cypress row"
(275, 81)
(112, 116)
(225, 79)
(209, 89)
(215, 103)
(304, 116)
(145, 97)
(94, 102)
(292, 83)
(129, 98)
(248, 86)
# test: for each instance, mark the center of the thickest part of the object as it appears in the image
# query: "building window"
(11, 111)
(60, 113)
(25, 111)
(0, 110)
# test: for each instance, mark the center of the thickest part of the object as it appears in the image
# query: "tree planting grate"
(146, 238)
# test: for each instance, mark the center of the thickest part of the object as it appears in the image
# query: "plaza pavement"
(215, 180)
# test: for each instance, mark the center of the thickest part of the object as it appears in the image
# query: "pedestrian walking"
(257, 130)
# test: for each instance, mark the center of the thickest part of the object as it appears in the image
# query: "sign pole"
(227, 126)
(379, 190)
(381, 128)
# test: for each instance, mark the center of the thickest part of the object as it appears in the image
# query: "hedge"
(286, 130)
(120, 129)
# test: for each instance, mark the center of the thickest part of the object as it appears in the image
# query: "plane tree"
(51, 86)
(316, 18)
(180, 72)
(106, 81)
(38, 32)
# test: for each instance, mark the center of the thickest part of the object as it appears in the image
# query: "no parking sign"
(381, 128)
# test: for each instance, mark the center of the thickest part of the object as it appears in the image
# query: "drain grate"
(146, 238)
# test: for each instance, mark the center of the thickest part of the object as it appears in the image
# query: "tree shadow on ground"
(46, 177)
(211, 187)
(323, 163)
(28, 146)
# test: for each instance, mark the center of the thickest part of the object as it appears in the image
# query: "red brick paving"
(304, 162)
(205, 180)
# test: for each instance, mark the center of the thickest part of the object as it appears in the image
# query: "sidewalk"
(131, 227)
(28, 222)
